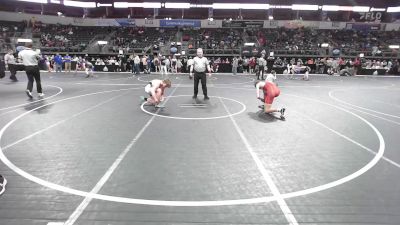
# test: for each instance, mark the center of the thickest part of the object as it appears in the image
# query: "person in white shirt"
(9, 60)
(245, 65)
(261, 65)
(164, 69)
(30, 60)
(136, 62)
(200, 65)
(235, 64)
(179, 65)
(155, 89)
(168, 63)
(47, 61)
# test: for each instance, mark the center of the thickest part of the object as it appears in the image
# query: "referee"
(30, 60)
(200, 64)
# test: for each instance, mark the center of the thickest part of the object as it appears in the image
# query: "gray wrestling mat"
(90, 154)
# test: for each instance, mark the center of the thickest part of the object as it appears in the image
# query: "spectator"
(9, 61)
(245, 64)
(164, 70)
(174, 68)
(136, 61)
(75, 61)
(145, 65)
(235, 64)
(67, 60)
(156, 62)
(168, 63)
(252, 65)
(58, 62)
(179, 65)
(131, 63)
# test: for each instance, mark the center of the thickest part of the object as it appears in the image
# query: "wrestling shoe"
(282, 111)
(29, 94)
(3, 183)
(144, 99)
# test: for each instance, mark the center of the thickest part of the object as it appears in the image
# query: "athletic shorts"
(147, 89)
(270, 92)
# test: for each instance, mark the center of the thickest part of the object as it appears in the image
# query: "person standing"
(58, 61)
(179, 65)
(149, 64)
(9, 61)
(200, 64)
(261, 66)
(245, 65)
(168, 63)
(75, 60)
(145, 66)
(164, 69)
(252, 65)
(30, 60)
(47, 61)
(174, 62)
(137, 64)
(235, 64)
(131, 63)
(156, 62)
(2, 68)
(67, 60)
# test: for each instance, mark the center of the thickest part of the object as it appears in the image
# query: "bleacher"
(135, 40)
(63, 38)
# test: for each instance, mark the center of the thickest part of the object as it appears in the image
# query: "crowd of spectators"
(136, 63)
(306, 41)
(213, 38)
(129, 38)
(68, 38)
(9, 30)
(344, 42)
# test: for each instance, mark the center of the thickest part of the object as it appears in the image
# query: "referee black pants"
(197, 77)
(33, 74)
